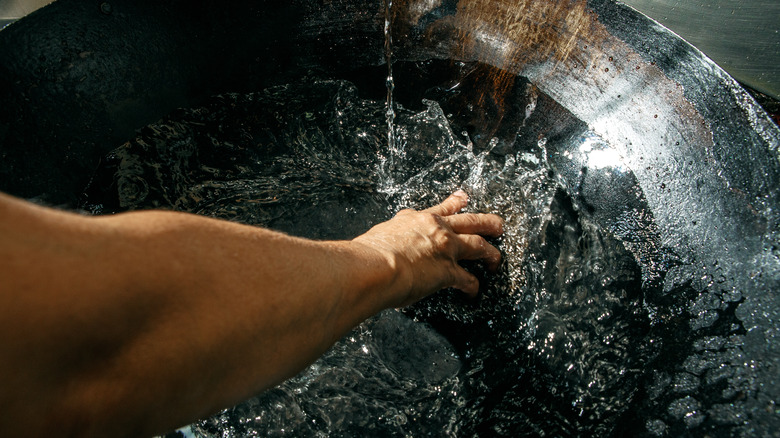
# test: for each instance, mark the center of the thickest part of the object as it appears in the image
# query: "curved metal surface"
(673, 157)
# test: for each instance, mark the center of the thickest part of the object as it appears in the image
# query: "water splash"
(558, 342)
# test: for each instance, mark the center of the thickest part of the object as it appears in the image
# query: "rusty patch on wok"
(565, 50)
(507, 34)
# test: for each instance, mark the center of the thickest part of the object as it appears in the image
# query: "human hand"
(424, 247)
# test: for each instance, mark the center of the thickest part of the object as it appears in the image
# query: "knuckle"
(445, 239)
(435, 218)
(431, 220)
(442, 240)
(477, 243)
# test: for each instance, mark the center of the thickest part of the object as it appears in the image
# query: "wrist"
(386, 273)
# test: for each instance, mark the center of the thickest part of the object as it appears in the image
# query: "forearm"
(245, 307)
(286, 299)
(173, 307)
(133, 324)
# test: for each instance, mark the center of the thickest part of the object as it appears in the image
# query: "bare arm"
(134, 324)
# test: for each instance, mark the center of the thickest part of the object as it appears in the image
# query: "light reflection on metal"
(598, 155)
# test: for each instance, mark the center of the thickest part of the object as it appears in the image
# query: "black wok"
(696, 172)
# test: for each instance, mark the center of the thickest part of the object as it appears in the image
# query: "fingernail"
(461, 194)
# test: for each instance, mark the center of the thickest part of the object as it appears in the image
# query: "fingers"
(463, 240)
(474, 247)
(465, 282)
(469, 228)
(453, 204)
(482, 224)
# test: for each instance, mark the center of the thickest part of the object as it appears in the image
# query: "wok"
(693, 169)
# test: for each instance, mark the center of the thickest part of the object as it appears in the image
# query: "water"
(391, 145)
(567, 339)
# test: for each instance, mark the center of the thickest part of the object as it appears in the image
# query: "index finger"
(453, 204)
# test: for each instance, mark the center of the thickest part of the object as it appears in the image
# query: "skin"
(138, 323)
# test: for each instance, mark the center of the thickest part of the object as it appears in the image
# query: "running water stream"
(390, 83)
(394, 151)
